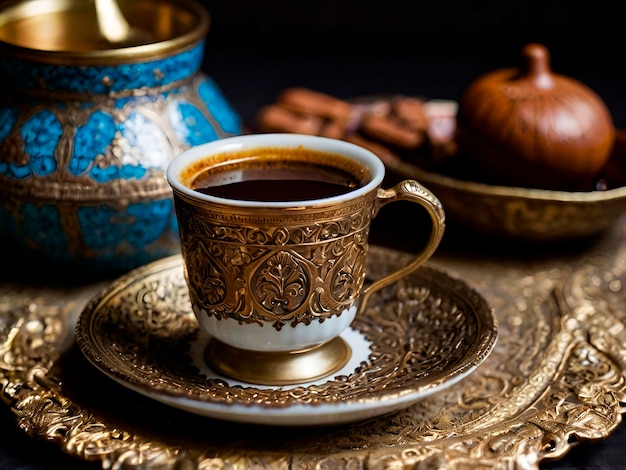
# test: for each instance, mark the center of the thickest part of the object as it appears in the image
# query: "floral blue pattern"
(138, 224)
(218, 106)
(91, 140)
(88, 158)
(42, 225)
(103, 79)
(191, 126)
(41, 135)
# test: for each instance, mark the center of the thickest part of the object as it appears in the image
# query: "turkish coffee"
(280, 175)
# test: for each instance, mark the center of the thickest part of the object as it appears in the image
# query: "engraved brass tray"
(556, 378)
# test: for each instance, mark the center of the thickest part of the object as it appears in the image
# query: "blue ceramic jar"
(87, 132)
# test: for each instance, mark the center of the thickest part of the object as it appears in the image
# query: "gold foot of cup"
(278, 368)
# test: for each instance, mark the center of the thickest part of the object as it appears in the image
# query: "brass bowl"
(515, 213)
(67, 32)
(524, 214)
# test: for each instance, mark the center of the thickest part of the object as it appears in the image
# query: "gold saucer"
(427, 333)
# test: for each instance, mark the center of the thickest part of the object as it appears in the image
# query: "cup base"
(278, 368)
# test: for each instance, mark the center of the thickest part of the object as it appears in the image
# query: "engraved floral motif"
(274, 267)
(281, 286)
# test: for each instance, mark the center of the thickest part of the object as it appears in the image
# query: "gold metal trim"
(525, 214)
(175, 26)
(278, 368)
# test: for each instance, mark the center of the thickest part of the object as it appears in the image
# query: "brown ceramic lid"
(531, 127)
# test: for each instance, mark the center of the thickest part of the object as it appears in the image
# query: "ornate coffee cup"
(274, 236)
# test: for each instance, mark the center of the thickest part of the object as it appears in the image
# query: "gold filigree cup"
(275, 281)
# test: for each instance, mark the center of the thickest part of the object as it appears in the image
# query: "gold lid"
(67, 32)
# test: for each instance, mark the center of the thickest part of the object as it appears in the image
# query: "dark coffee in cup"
(278, 175)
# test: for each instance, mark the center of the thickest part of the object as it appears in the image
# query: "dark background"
(428, 48)
(412, 26)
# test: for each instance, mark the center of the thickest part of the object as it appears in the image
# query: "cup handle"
(409, 190)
